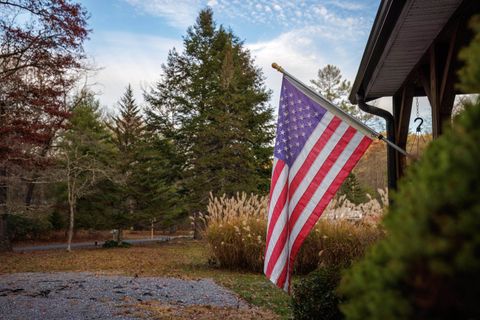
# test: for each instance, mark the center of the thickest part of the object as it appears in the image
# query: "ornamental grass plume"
(236, 228)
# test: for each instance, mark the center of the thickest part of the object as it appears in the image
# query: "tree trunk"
(5, 244)
(29, 195)
(197, 228)
(70, 227)
(31, 185)
(119, 235)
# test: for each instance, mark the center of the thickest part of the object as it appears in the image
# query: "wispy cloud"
(307, 36)
(125, 58)
(178, 13)
(347, 5)
(274, 13)
(302, 52)
(288, 14)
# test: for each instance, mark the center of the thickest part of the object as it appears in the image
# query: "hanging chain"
(418, 112)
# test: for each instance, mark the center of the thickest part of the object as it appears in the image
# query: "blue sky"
(131, 38)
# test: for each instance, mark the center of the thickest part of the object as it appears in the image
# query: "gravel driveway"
(91, 296)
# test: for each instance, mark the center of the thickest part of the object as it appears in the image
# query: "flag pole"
(339, 112)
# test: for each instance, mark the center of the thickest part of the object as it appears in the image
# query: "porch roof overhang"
(402, 33)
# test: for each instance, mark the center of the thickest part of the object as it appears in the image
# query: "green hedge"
(314, 296)
(428, 266)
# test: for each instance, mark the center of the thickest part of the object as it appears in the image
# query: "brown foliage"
(40, 52)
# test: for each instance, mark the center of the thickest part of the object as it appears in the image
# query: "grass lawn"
(181, 258)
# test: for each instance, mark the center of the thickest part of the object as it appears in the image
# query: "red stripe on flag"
(322, 172)
(337, 182)
(319, 145)
(277, 250)
(277, 210)
(283, 276)
(276, 173)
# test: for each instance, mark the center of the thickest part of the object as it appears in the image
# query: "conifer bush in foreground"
(428, 267)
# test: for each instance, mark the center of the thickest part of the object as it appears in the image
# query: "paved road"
(91, 244)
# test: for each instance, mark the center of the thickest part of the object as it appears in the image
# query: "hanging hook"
(419, 127)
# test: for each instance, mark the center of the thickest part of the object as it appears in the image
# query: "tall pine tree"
(128, 129)
(211, 105)
(331, 84)
(146, 188)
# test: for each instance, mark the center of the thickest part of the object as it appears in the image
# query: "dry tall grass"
(236, 227)
(236, 230)
(335, 243)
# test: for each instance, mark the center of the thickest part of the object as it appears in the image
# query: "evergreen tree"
(145, 189)
(127, 134)
(211, 107)
(331, 84)
(428, 266)
(352, 190)
(85, 154)
(128, 127)
(156, 183)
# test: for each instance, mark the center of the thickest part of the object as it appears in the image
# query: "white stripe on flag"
(277, 270)
(327, 181)
(318, 195)
(311, 141)
(316, 165)
(282, 178)
(277, 231)
(281, 221)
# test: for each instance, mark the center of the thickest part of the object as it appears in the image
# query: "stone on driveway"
(89, 296)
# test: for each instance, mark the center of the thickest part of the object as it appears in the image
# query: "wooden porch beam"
(402, 106)
(437, 79)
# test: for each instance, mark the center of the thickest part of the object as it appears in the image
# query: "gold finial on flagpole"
(277, 67)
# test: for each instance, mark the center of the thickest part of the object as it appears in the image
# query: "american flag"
(315, 150)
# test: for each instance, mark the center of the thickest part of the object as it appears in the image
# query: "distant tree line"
(206, 126)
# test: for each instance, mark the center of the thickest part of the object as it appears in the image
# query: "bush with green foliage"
(115, 244)
(57, 220)
(352, 189)
(23, 227)
(314, 296)
(429, 265)
(330, 247)
(470, 73)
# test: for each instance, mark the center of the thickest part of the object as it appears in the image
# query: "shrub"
(57, 220)
(115, 244)
(352, 189)
(314, 296)
(331, 246)
(23, 227)
(335, 243)
(236, 230)
(236, 233)
(428, 266)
